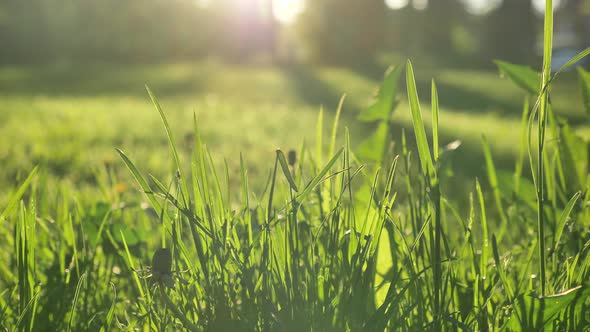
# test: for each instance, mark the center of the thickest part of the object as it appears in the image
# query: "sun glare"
(286, 11)
(539, 5)
(481, 7)
(420, 4)
(396, 4)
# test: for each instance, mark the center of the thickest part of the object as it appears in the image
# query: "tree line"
(330, 31)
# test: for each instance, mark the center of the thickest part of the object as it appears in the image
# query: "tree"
(511, 32)
(441, 17)
(342, 31)
(111, 30)
(579, 12)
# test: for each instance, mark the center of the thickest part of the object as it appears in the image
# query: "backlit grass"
(197, 222)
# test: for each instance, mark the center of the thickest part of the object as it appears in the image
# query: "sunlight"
(481, 7)
(539, 5)
(420, 4)
(241, 5)
(396, 4)
(286, 11)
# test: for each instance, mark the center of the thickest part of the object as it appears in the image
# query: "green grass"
(355, 234)
(70, 119)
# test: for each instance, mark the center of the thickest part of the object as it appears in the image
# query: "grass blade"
(319, 137)
(335, 125)
(493, 179)
(75, 301)
(145, 187)
(318, 178)
(435, 111)
(500, 269)
(286, 170)
(484, 227)
(111, 313)
(563, 219)
(585, 87)
(19, 193)
(523, 145)
(572, 61)
(421, 140)
(542, 117)
(170, 140)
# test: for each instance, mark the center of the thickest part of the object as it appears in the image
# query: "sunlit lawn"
(70, 119)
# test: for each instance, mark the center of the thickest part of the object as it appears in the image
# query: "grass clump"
(338, 240)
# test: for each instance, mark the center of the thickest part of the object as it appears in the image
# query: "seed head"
(161, 263)
(292, 157)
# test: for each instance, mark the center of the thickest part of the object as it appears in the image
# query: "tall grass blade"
(14, 199)
(571, 62)
(435, 111)
(335, 125)
(538, 313)
(421, 140)
(171, 141)
(585, 87)
(563, 219)
(272, 191)
(28, 309)
(145, 187)
(500, 267)
(319, 137)
(493, 180)
(523, 145)
(542, 117)
(75, 301)
(111, 313)
(132, 268)
(319, 177)
(484, 227)
(286, 170)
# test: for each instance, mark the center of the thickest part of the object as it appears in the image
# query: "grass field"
(70, 119)
(322, 243)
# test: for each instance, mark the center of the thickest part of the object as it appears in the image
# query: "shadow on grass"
(463, 97)
(468, 161)
(452, 96)
(461, 167)
(98, 81)
(311, 89)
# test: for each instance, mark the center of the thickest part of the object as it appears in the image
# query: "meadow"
(69, 119)
(408, 204)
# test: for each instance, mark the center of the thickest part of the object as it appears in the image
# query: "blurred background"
(256, 73)
(344, 32)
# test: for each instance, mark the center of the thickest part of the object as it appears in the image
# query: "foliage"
(105, 31)
(334, 32)
(306, 254)
(331, 243)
